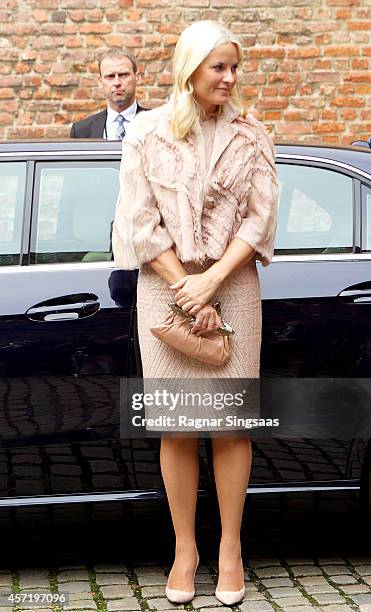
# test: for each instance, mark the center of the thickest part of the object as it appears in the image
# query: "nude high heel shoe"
(229, 598)
(177, 596)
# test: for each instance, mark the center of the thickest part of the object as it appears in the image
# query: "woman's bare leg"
(232, 465)
(180, 472)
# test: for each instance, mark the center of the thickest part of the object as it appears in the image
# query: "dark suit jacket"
(93, 126)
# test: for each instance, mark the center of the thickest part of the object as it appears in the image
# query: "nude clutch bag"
(175, 330)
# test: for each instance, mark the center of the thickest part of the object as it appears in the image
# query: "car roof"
(360, 157)
(54, 146)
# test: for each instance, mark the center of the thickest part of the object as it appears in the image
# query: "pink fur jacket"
(169, 198)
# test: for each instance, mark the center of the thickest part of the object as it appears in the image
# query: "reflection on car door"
(311, 326)
(64, 343)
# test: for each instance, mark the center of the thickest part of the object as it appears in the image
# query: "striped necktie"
(120, 128)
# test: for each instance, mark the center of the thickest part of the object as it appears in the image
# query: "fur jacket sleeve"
(138, 233)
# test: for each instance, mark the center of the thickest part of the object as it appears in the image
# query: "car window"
(315, 213)
(74, 210)
(12, 192)
(366, 194)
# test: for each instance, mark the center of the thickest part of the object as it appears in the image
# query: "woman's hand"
(207, 319)
(195, 290)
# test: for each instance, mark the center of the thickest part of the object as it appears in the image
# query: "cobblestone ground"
(295, 584)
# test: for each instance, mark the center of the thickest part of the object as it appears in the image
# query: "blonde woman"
(197, 207)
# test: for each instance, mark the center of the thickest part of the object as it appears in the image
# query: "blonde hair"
(193, 46)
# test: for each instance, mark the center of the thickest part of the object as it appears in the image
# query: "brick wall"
(306, 72)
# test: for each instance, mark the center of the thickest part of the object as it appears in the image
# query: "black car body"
(64, 343)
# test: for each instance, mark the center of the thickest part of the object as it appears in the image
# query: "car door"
(314, 325)
(63, 342)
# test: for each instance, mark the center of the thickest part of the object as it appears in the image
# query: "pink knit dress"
(241, 308)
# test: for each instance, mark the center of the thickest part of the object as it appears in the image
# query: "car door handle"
(61, 316)
(356, 296)
(65, 308)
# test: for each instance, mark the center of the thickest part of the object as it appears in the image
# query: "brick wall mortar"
(306, 71)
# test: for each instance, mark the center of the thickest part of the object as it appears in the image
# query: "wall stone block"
(306, 70)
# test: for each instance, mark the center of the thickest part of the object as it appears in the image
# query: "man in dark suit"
(118, 77)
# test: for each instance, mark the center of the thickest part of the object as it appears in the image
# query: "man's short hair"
(120, 53)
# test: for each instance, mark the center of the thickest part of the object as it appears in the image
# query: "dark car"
(65, 344)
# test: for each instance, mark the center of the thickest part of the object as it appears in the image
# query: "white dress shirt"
(110, 132)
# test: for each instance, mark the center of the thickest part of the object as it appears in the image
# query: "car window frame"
(27, 207)
(72, 160)
(365, 188)
(334, 166)
(360, 177)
